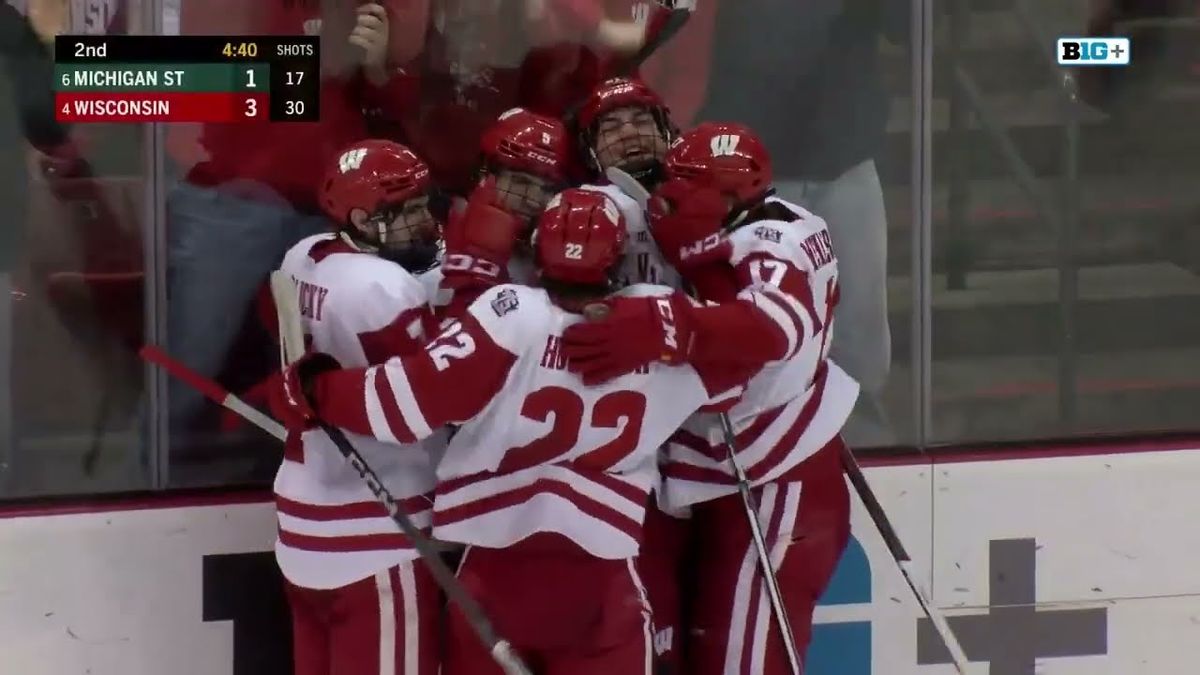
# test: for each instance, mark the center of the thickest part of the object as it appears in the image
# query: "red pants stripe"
(807, 526)
(383, 625)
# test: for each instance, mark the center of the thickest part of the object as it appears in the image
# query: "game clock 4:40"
(240, 50)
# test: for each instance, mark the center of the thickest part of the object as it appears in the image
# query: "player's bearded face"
(630, 139)
(406, 233)
(523, 194)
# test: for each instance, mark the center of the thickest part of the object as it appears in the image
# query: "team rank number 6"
(292, 78)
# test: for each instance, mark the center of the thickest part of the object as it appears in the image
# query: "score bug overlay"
(154, 78)
(1084, 51)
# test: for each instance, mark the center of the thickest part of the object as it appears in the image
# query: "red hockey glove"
(716, 281)
(480, 239)
(686, 221)
(624, 334)
(291, 394)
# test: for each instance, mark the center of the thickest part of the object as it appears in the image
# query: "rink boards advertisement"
(1068, 565)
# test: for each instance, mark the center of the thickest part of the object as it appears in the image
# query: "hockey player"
(625, 125)
(716, 221)
(523, 164)
(546, 479)
(361, 600)
(527, 155)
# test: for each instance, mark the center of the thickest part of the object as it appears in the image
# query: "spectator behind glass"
(483, 57)
(248, 190)
(27, 114)
(806, 75)
(678, 70)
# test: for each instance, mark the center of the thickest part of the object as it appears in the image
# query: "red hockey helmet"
(524, 141)
(391, 185)
(580, 238)
(723, 155)
(638, 152)
(371, 175)
(618, 92)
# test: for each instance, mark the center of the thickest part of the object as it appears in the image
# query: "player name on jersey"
(161, 92)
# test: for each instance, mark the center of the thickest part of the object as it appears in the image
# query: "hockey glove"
(687, 223)
(292, 396)
(480, 240)
(716, 281)
(626, 333)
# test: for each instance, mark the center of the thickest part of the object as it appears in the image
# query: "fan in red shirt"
(247, 190)
(483, 57)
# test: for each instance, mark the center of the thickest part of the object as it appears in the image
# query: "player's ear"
(358, 221)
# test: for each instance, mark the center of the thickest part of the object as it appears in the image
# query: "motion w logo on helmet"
(352, 159)
(724, 145)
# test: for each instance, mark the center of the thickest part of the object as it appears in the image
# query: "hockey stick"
(212, 391)
(905, 563)
(219, 395)
(760, 545)
(291, 348)
(675, 21)
(681, 11)
(629, 185)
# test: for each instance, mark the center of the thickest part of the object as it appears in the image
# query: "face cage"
(407, 235)
(525, 195)
(650, 170)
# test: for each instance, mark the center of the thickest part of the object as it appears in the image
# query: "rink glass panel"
(1066, 295)
(1038, 258)
(74, 409)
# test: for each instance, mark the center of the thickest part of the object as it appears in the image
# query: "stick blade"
(287, 310)
(629, 185)
(673, 24)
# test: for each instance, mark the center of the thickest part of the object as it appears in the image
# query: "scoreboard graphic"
(191, 78)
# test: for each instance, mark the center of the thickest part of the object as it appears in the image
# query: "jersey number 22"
(622, 410)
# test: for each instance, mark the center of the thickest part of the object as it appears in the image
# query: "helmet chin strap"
(351, 235)
(356, 243)
(739, 212)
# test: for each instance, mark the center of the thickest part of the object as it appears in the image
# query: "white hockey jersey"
(536, 450)
(442, 297)
(360, 309)
(791, 408)
(643, 262)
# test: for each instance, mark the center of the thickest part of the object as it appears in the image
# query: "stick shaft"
(774, 595)
(892, 540)
(212, 391)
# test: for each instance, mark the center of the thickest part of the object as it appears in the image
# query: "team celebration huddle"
(598, 390)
